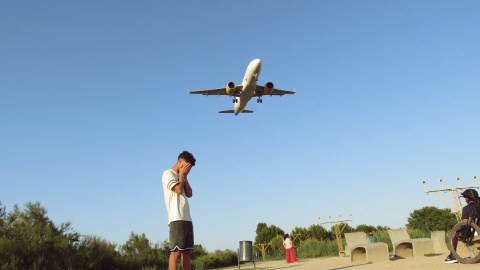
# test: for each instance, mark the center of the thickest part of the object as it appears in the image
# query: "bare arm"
(178, 188)
(183, 182)
(188, 189)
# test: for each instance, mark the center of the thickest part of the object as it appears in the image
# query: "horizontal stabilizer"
(232, 111)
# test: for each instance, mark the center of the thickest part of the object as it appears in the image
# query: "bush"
(382, 236)
(312, 248)
(276, 246)
(138, 252)
(96, 253)
(30, 240)
(432, 218)
(216, 260)
(365, 228)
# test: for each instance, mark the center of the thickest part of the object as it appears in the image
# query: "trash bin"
(245, 253)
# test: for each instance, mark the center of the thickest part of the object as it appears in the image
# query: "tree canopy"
(266, 233)
(319, 232)
(30, 240)
(365, 228)
(431, 218)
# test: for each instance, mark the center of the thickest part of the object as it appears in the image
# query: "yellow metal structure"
(338, 231)
(295, 235)
(262, 248)
(455, 202)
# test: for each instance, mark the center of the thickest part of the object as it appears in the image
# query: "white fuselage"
(249, 84)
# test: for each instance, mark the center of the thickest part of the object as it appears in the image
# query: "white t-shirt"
(288, 243)
(177, 205)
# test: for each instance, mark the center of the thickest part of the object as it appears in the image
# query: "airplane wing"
(232, 111)
(276, 92)
(218, 91)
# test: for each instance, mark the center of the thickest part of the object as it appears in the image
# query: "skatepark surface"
(334, 263)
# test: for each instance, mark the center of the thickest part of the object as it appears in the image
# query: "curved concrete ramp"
(361, 250)
(405, 247)
(438, 238)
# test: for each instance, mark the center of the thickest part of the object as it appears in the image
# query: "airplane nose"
(257, 63)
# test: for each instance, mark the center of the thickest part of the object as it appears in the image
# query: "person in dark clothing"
(372, 238)
(470, 196)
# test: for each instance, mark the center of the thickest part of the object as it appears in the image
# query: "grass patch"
(260, 268)
(431, 255)
(247, 268)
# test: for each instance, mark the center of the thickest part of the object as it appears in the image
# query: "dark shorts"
(181, 235)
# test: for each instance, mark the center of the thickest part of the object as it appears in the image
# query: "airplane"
(248, 89)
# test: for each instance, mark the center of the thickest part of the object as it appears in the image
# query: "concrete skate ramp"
(438, 238)
(361, 250)
(405, 247)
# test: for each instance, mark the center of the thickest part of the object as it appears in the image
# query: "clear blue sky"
(94, 107)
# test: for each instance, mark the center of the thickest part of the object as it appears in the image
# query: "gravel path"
(334, 263)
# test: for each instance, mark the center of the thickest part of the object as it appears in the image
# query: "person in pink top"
(287, 243)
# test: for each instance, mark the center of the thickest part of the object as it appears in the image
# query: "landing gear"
(235, 100)
(259, 100)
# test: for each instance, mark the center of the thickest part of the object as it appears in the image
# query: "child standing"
(287, 243)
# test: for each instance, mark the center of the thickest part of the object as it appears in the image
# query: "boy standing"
(176, 190)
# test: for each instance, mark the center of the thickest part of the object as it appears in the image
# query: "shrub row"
(312, 248)
(215, 260)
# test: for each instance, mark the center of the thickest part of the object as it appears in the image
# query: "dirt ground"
(333, 263)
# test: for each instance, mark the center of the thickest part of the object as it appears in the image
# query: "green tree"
(267, 233)
(299, 238)
(138, 252)
(30, 240)
(277, 245)
(3, 216)
(431, 218)
(320, 233)
(198, 251)
(165, 246)
(365, 228)
(260, 227)
(96, 253)
(382, 228)
(136, 246)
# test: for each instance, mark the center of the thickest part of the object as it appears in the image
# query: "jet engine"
(230, 88)
(268, 88)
